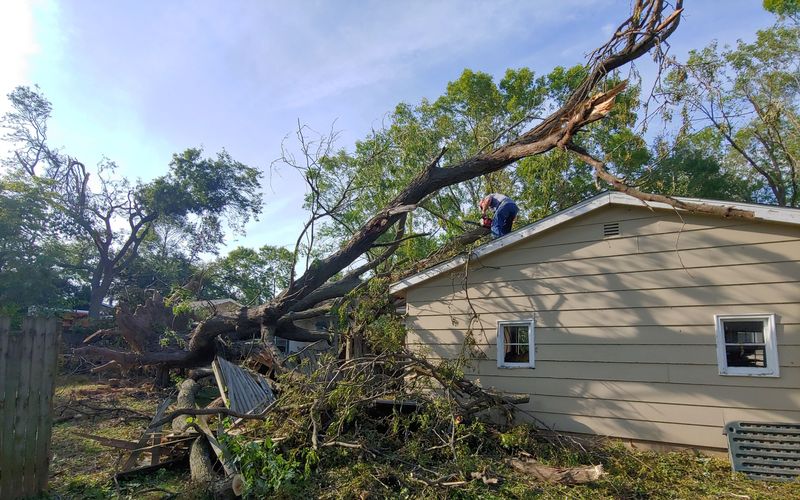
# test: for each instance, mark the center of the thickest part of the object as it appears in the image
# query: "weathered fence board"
(28, 360)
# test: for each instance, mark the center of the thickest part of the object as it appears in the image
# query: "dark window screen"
(744, 343)
(515, 342)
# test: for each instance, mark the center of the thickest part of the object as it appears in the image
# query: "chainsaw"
(485, 222)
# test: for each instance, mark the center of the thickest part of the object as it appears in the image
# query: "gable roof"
(761, 212)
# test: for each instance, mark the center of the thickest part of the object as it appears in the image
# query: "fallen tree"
(333, 277)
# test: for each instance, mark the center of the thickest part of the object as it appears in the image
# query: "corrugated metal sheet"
(242, 391)
(766, 451)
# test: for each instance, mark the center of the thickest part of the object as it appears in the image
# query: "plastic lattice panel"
(770, 452)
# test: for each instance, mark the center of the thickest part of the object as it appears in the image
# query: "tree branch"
(619, 185)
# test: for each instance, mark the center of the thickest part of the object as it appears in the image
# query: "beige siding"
(624, 328)
(620, 316)
(613, 353)
(595, 336)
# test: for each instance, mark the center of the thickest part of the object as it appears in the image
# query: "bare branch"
(621, 186)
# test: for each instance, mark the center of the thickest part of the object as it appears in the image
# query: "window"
(282, 345)
(515, 344)
(746, 345)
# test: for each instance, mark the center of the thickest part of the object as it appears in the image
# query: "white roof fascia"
(763, 212)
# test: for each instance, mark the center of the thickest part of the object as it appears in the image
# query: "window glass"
(747, 345)
(744, 332)
(744, 343)
(517, 349)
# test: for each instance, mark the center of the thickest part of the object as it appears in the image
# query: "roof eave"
(762, 212)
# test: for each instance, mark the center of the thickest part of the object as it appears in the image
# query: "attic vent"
(611, 229)
(765, 451)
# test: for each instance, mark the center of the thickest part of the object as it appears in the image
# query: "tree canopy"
(109, 216)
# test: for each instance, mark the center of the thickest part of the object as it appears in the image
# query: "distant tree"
(115, 215)
(749, 95)
(27, 275)
(694, 166)
(250, 276)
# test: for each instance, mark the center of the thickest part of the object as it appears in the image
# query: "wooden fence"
(28, 361)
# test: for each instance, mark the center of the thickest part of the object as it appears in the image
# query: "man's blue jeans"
(504, 218)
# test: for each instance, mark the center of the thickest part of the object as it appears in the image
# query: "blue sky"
(138, 81)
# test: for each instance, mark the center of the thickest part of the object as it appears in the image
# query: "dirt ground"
(83, 468)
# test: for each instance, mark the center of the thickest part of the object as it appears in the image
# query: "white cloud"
(307, 56)
(18, 42)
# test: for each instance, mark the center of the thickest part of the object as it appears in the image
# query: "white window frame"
(501, 343)
(770, 346)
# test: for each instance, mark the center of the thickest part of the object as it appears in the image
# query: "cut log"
(186, 396)
(200, 464)
(558, 475)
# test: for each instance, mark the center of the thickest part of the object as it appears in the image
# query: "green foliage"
(370, 311)
(32, 263)
(170, 337)
(205, 187)
(268, 471)
(689, 167)
(788, 8)
(748, 96)
(179, 299)
(250, 276)
(112, 219)
(518, 437)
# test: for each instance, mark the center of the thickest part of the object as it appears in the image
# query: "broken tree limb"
(105, 366)
(619, 185)
(186, 396)
(196, 412)
(110, 442)
(560, 475)
(306, 314)
(579, 110)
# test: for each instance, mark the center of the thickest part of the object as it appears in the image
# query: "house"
(626, 319)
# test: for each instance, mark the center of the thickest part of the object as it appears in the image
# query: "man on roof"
(505, 210)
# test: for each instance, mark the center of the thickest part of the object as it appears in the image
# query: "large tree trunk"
(102, 277)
